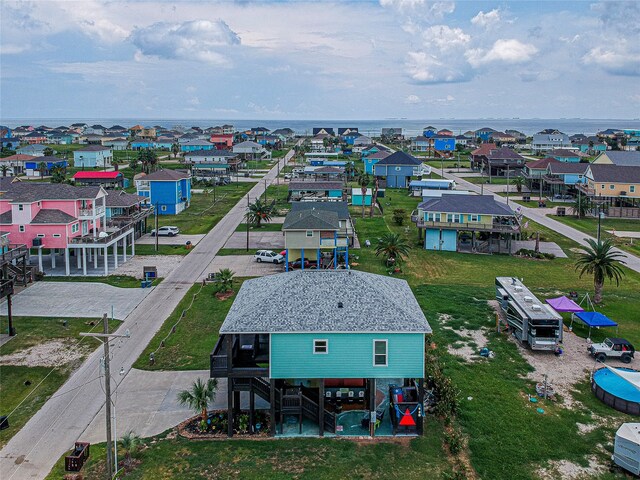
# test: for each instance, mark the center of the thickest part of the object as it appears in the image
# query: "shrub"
(399, 215)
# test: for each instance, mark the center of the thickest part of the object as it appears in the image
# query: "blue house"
(142, 144)
(443, 143)
(32, 169)
(397, 169)
(196, 144)
(351, 136)
(372, 159)
(564, 155)
(92, 156)
(453, 222)
(485, 133)
(421, 144)
(357, 198)
(561, 177)
(167, 190)
(429, 131)
(335, 352)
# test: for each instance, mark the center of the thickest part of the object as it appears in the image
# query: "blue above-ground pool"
(615, 391)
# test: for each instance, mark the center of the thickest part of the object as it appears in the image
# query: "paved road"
(61, 421)
(538, 216)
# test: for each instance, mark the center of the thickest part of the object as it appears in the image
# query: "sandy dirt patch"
(570, 471)
(49, 354)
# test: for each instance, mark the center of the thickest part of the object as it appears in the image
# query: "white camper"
(626, 449)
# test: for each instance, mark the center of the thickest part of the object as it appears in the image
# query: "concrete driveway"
(75, 299)
(545, 247)
(177, 240)
(257, 240)
(244, 266)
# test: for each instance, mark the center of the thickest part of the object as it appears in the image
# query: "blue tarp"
(595, 319)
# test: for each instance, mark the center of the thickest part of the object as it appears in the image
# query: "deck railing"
(14, 251)
(493, 227)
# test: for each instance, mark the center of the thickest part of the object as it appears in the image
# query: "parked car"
(613, 348)
(268, 256)
(168, 231)
(298, 264)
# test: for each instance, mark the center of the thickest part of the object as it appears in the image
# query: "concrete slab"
(164, 263)
(545, 247)
(160, 409)
(75, 299)
(257, 240)
(624, 234)
(177, 240)
(244, 266)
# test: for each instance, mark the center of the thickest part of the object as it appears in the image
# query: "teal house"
(372, 159)
(565, 155)
(332, 352)
(357, 199)
(310, 190)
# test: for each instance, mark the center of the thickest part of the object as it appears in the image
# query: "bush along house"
(333, 352)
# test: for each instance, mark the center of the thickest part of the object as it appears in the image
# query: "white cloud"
(617, 60)
(504, 50)
(412, 100)
(487, 20)
(13, 49)
(199, 40)
(426, 68)
(445, 38)
(435, 11)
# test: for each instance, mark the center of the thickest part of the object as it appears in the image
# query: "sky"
(319, 60)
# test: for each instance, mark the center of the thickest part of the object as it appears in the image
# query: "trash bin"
(526, 198)
(561, 211)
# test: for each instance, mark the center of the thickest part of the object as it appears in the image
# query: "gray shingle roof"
(473, 204)
(29, 192)
(93, 148)
(123, 199)
(399, 158)
(311, 220)
(6, 218)
(307, 301)
(47, 215)
(615, 173)
(340, 208)
(562, 167)
(166, 175)
(624, 158)
(211, 153)
(315, 186)
(504, 153)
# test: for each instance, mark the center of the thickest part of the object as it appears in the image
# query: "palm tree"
(42, 168)
(374, 197)
(582, 205)
(599, 260)
(363, 181)
(198, 398)
(133, 164)
(175, 148)
(259, 211)
(518, 182)
(393, 246)
(4, 169)
(224, 278)
(129, 443)
(48, 152)
(58, 174)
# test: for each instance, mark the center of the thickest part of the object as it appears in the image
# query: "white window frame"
(75, 227)
(20, 207)
(474, 218)
(612, 187)
(317, 343)
(386, 352)
(21, 228)
(632, 188)
(56, 235)
(163, 208)
(398, 169)
(309, 233)
(40, 235)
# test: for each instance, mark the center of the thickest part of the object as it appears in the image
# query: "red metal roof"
(99, 175)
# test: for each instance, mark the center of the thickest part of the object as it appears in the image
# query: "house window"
(611, 187)
(602, 186)
(453, 218)
(163, 208)
(321, 346)
(21, 228)
(56, 235)
(474, 218)
(398, 169)
(632, 188)
(41, 235)
(309, 233)
(75, 227)
(20, 207)
(379, 353)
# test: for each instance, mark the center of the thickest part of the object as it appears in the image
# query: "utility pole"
(156, 227)
(507, 184)
(107, 386)
(247, 220)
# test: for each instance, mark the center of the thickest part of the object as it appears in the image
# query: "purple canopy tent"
(564, 304)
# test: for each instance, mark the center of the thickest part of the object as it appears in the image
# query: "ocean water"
(528, 126)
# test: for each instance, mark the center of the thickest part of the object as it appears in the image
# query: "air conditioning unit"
(536, 308)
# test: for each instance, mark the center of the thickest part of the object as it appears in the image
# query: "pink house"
(63, 219)
(222, 141)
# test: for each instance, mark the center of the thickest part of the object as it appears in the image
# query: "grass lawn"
(300, 458)
(590, 226)
(235, 251)
(203, 214)
(18, 382)
(162, 250)
(122, 281)
(264, 227)
(279, 193)
(485, 179)
(196, 334)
